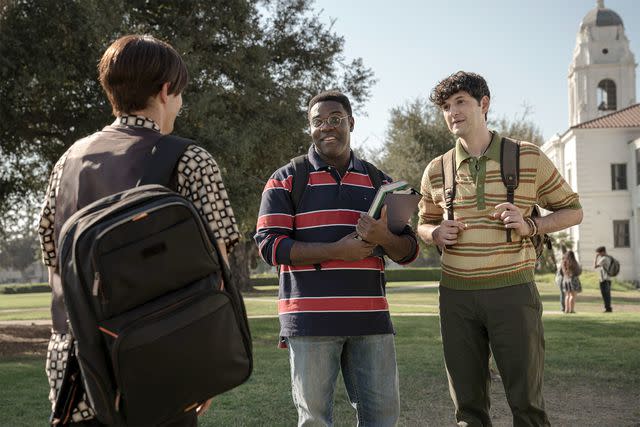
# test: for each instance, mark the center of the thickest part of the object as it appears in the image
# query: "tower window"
(606, 95)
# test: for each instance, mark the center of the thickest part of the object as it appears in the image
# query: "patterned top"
(333, 298)
(482, 258)
(199, 180)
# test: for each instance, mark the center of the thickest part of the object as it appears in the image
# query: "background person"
(571, 286)
(601, 263)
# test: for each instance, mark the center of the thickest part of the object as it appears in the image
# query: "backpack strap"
(374, 174)
(301, 168)
(448, 163)
(163, 160)
(510, 169)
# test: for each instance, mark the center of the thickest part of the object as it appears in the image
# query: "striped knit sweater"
(334, 298)
(482, 258)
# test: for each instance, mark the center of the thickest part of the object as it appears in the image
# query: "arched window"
(606, 95)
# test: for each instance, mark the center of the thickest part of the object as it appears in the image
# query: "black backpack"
(510, 172)
(155, 334)
(614, 267)
(301, 168)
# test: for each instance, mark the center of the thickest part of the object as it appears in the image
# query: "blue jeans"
(370, 373)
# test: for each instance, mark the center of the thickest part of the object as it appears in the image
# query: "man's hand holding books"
(391, 209)
(373, 230)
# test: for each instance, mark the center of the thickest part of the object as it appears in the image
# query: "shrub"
(25, 288)
(395, 275)
(264, 280)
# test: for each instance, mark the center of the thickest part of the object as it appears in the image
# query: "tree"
(50, 96)
(18, 252)
(561, 242)
(520, 127)
(416, 134)
(252, 69)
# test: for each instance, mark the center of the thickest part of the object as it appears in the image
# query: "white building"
(599, 155)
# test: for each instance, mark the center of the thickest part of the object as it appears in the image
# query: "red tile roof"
(626, 118)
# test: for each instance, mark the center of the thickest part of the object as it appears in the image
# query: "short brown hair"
(135, 67)
(472, 83)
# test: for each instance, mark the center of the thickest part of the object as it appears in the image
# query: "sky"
(522, 48)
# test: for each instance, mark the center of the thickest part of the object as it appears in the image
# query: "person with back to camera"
(143, 78)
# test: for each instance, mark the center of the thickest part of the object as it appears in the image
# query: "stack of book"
(401, 201)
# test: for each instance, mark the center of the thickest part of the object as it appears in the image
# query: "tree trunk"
(239, 260)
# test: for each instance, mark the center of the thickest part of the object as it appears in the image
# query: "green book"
(378, 200)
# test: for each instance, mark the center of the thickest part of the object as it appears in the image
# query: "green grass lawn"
(592, 368)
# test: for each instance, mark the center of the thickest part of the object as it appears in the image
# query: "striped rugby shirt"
(482, 258)
(336, 298)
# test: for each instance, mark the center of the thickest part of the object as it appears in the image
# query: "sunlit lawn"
(404, 298)
(597, 353)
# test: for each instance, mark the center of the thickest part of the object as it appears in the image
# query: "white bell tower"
(602, 75)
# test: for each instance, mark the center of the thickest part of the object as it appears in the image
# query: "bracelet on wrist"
(531, 230)
(532, 225)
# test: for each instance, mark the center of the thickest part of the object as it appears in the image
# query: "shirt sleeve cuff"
(282, 251)
(413, 253)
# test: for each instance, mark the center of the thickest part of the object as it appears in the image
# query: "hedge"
(25, 288)
(264, 281)
(428, 274)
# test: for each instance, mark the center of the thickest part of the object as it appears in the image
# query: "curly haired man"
(489, 303)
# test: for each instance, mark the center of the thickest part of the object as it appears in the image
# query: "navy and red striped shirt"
(336, 298)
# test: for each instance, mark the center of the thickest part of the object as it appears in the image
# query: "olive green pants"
(509, 320)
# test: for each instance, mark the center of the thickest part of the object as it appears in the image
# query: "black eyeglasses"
(332, 121)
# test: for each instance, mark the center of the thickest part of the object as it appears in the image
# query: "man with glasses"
(332, 307)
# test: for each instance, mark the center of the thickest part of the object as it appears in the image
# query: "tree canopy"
(416, 133)
(18, 252)
(253, 66)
